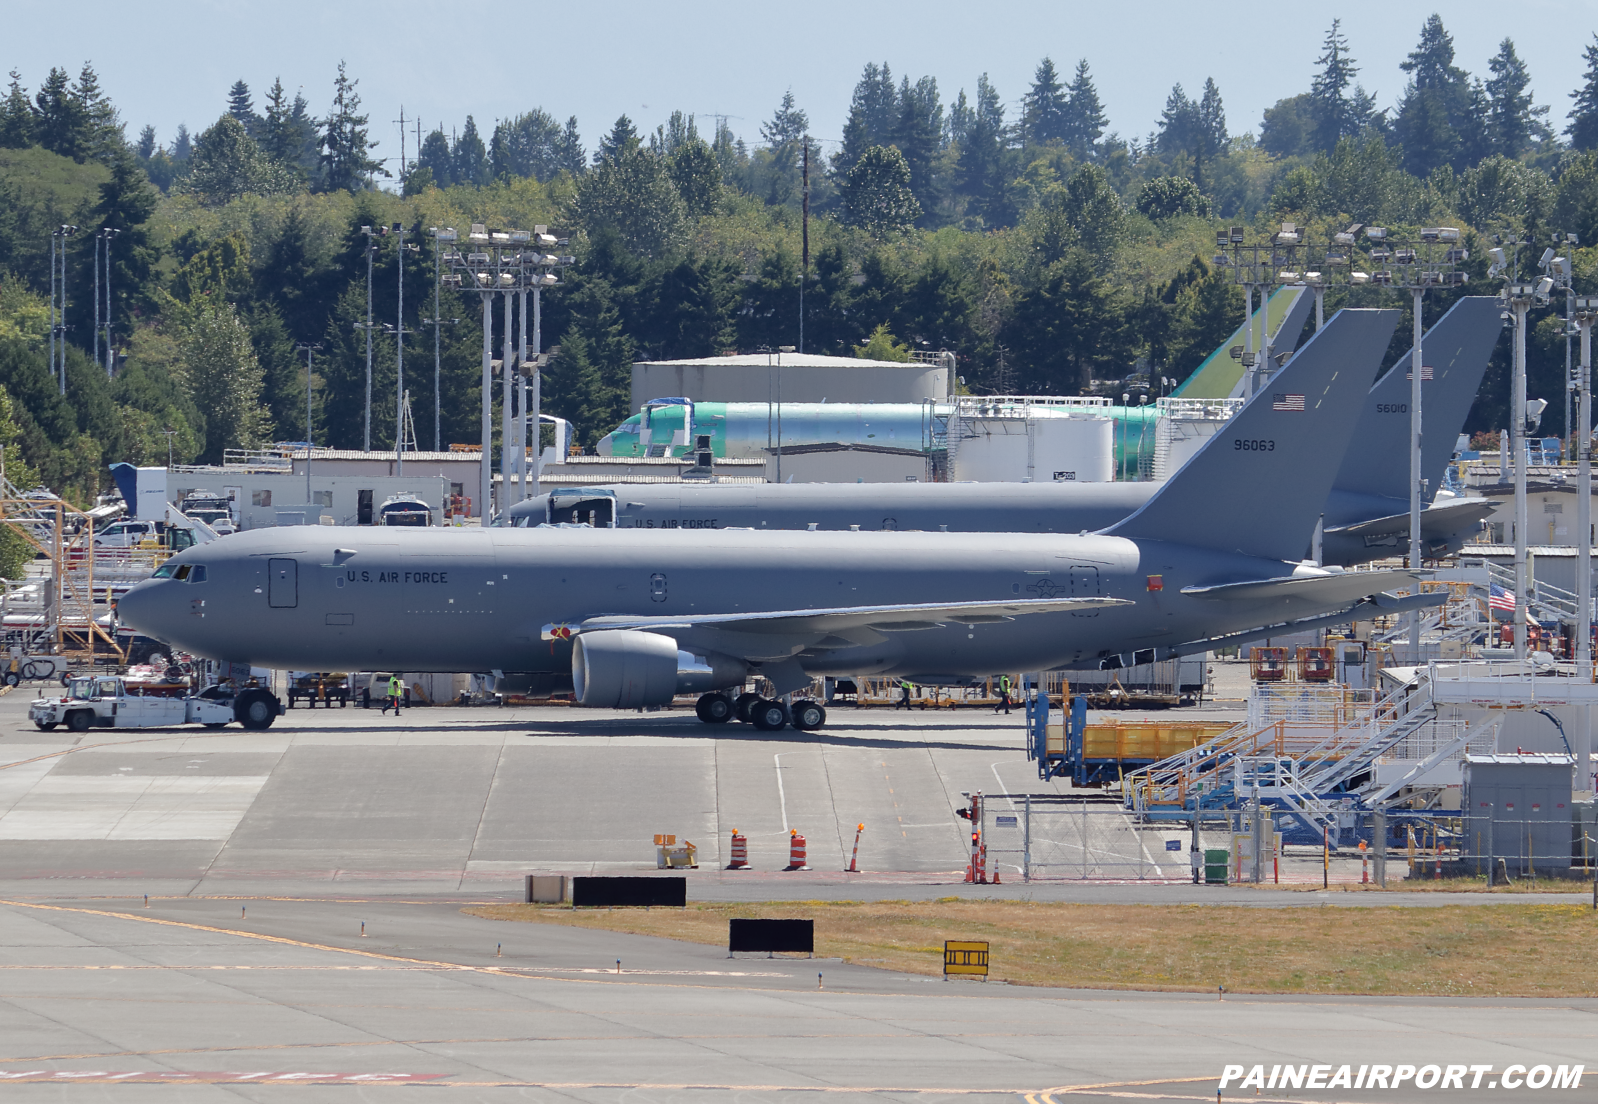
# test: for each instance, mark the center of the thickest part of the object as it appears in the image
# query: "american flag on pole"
(1500, 599)
(1280, 401)
(1425, 374)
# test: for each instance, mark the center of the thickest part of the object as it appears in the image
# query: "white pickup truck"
(103, 701)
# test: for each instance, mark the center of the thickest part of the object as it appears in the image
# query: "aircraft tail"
(1456, 350)
(1260, 485)
(1221, 377)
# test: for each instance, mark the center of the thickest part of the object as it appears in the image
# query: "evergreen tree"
(18, 125)
(1510, 110)
(1084, 115)
(877, 193)
(146, 144)
(434, 159)
(62, 125)
(469, 157)
(225, 378)
(1043, 115)
(854, 145)
(102, 129)
(279, 137)
(182, 146)
(1331, 101)
(1436, 106)
(1197, 129)
(242, 108)
(918, 136)
(346, 160)
(785, 136)
(623, 138)
(961, 116)
(981, 165)
(570, 156)
(127, 202)
(1583, 128)
(877, 98)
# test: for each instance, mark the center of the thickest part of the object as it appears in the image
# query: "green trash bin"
(1216, 862)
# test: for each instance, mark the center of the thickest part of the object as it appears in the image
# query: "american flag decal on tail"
(1287, 402)
(1425, 374)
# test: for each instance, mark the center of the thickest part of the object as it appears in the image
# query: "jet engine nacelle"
(627, 669)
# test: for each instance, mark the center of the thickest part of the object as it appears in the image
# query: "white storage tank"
(1040, 440)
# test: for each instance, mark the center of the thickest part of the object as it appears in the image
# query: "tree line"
(1052, 255)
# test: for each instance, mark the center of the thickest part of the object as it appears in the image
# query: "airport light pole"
(1585, 309)
(502, 261)
(310, 352)
(399, 331)
(110, 233)
(1518, 297)
(58, 318)
(371, 252)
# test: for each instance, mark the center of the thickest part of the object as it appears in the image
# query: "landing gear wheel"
(80, 720)
(809, 715)
(255, 709)
(769, 716)
(714, 708)
(742, 705)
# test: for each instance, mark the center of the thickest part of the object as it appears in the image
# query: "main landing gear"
(764, 713)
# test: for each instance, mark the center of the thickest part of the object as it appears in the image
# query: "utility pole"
(399, 348)
(521, 397)
(485, 473)
(97, 238)
(60, 345)
(310, 352)
(110, 357)
(55, 237)
(507, 352)
(804, 251)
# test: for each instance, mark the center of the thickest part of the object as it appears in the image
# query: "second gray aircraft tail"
(1259, 486)
(1456, 350)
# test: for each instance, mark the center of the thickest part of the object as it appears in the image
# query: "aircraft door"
(282, 584)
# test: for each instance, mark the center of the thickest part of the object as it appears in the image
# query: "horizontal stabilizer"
(1316, 590)
(1443, 518)
(892, 618)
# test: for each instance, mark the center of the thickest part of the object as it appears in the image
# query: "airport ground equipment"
(103, 701)
(1103, 754)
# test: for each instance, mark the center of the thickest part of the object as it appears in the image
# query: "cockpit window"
(182, 573)
(164, 571)
(197, 573)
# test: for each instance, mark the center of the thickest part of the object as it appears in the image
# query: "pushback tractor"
(103, 701)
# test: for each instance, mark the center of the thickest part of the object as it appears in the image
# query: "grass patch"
(1510, 950)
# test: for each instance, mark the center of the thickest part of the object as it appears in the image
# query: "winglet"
(1259, 486)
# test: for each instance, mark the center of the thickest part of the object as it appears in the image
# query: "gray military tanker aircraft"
(632, 617)
(1367, 510)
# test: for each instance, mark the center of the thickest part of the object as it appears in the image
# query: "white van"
(126, 534)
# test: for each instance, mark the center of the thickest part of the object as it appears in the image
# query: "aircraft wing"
(1317, 590)
(889, 618)
(1441, 517)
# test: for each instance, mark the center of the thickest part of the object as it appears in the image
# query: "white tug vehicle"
(104, 701)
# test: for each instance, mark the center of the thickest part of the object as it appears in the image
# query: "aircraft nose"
(141, 608)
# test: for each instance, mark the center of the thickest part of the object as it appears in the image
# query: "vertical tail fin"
(1260, 485)
(1374, 478)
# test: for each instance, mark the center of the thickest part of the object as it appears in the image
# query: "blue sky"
(174, 61)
